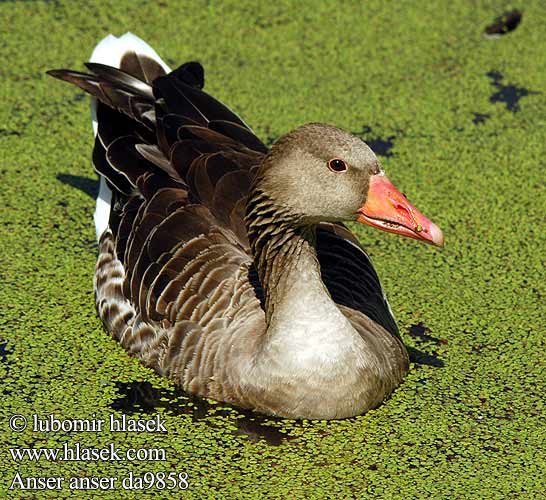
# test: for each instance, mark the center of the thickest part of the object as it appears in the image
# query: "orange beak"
(388, 209)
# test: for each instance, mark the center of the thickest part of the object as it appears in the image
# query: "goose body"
(224, 265)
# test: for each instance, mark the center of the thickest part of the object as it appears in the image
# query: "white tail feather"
(109, 51)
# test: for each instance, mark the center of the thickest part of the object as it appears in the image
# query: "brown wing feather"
(140, 66)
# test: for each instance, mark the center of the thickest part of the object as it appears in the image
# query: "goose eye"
(337, 165)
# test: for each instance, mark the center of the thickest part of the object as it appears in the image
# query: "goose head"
(321, 173)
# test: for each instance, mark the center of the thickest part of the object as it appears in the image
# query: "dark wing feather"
(121, 80)
(191, 73)
(116, 180)
(185, 100)
(142, 67)
(348, 273)
(238, 133)
(197, 140)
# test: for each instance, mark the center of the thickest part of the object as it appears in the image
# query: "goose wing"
(349, 275)
(176, 253)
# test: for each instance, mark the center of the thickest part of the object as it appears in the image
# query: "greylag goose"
(225, 265)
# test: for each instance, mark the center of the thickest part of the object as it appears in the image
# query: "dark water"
(510, 95)
(381, 146)
(504, 24)
(4, 352)
(480, 118)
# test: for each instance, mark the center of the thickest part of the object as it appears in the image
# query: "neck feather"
(283, 249)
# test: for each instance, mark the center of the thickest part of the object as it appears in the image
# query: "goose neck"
(284, 254)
